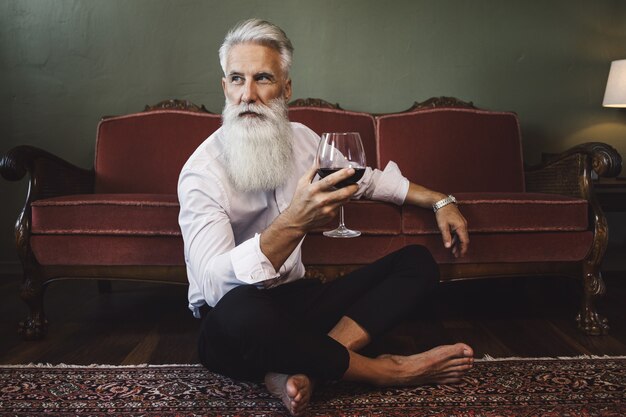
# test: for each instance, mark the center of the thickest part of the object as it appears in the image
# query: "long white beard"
(258, 150)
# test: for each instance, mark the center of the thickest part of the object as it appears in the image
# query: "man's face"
(258, 136)
(254, 75)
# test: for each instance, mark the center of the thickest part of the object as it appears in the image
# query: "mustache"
(250, 108)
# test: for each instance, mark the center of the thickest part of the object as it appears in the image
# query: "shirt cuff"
(250, 264)
(195, 311)
(391, 186)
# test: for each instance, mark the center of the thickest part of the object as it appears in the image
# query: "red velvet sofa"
(119, 219)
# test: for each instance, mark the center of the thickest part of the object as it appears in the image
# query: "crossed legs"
(441, 365)
(299, 332)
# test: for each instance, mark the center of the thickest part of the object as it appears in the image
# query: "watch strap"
(443, 202)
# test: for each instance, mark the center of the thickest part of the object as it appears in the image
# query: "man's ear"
(224, 85)
(288, 90)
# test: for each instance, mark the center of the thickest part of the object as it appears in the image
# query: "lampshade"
(615, 93)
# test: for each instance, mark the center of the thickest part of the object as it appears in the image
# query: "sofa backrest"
(144, 152)
(454, 149)
(446, 149)
(322, 120)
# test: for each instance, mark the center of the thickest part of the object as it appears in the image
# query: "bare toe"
(295, 390)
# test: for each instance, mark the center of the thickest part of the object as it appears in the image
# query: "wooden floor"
(141, 323)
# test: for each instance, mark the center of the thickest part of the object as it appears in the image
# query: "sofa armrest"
(50, 176)
(569, 173)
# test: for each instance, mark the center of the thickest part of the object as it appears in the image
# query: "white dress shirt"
(221, 226)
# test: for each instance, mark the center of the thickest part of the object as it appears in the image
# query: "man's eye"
(264, 79)
(236, 79)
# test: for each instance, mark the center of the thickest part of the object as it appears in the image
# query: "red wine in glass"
(358, 174)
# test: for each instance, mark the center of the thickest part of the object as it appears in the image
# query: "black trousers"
(253, 331)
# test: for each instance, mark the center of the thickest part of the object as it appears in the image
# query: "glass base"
(342, 231)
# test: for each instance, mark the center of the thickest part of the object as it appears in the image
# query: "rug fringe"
(489, 358)
(485, 358)
(95, 365)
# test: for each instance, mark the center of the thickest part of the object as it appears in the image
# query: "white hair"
(259, 32)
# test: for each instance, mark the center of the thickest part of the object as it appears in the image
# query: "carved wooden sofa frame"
(569, 173)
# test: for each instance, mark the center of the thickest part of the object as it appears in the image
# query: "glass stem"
(341, 224)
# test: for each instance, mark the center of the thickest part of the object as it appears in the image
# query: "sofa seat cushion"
(63, 249)
(318, 249)
(483, 248)
(512, 247)
(369, 217)
(506, 213)
(107, 214)
(504, 228)
(107, 229)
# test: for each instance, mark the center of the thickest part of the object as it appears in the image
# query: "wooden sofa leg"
(35, 326)
(589, 321)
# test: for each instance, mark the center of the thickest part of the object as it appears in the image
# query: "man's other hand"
(453, 227)
(316, 203)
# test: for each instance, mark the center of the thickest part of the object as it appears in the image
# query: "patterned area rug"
(512, 387)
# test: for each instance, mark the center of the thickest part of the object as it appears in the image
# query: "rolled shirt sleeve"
(250, 264)
(387, 185)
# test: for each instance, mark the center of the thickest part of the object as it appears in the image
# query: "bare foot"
(441, 365)
(294, 390)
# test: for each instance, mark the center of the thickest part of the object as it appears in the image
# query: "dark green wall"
(64, 64)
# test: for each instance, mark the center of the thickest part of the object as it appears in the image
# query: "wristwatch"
(444, 202)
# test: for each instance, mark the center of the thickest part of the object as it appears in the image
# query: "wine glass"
(337, 151)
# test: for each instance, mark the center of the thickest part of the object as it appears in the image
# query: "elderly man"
(248, 198)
